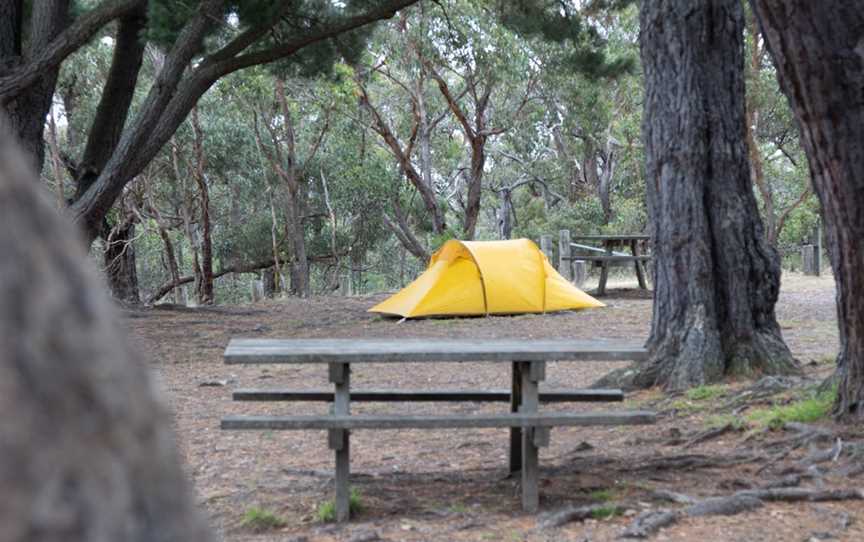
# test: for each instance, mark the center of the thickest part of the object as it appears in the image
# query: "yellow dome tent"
(486, 277)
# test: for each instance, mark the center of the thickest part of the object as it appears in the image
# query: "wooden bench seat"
(391, 396)
(550, 419)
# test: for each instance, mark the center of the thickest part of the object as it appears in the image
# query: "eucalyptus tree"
(716, 277)
(586, 55)
(397, 68)
(777, 161)
(204, 42)
(486, 77)
(823, 82)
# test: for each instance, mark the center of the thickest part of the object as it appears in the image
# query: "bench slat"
(387, 396)
(613, 259)
(437, 422)
(419, 350)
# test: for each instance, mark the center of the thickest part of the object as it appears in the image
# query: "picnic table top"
(250, 351)
(614, 237)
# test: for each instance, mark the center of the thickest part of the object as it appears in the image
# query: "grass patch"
(327, 510)
(721, 420)
(606, 512)
(458, 508)
(260, 520)
(814, 406)
(684, 406)
(704, 393)
(601, 495)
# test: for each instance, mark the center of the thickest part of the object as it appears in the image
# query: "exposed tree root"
(649, 523)
(707, 435)
(574, 513)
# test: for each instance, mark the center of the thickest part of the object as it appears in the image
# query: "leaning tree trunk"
(818, 49)
(86, 448)
(717, 279)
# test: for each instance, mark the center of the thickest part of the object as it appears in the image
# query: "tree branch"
(70, 40)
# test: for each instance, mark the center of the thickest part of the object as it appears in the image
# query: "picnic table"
(525, 359)
(606, 254)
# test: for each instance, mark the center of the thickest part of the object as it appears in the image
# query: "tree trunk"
(205, 286)
(269, 280)
(117, 94)
(299, 268)
(187, 213)
(121, 264)
(86, 448)
(298, 190)
(505, 213)
(28, 110)
(475, 187)
(171, 263)
(717, 280)
(427, 193)
(817, 50)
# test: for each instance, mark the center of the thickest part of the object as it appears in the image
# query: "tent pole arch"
(479, 272)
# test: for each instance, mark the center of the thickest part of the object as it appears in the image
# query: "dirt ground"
(453, 485)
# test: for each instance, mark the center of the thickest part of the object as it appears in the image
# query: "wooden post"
(817, 242)
(546, 247)
(532, 374)
(604, 270)
(580, 273)
(516, 432)
(345, 285)
(640, 268)
(257, 290)
(808, 260)
(565, 266)
(338, 439)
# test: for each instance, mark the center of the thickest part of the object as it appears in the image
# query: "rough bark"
(205, 286)
(818, 50)
(11, 21)
(292, 174)
(187, 214)
(88, 454)
(717, 279)
(117, 94)
(120, 262)
(21, 73)
(28, 110)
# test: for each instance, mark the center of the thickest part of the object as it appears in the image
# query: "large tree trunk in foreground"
(717, 279)
(818, 49)
(86, 450)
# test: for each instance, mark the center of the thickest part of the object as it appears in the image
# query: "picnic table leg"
(604, 272)
(640, 267)
(516, 432)
(532, 374)
(340, 375)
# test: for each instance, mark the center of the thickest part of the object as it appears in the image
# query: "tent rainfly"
(468, 278)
